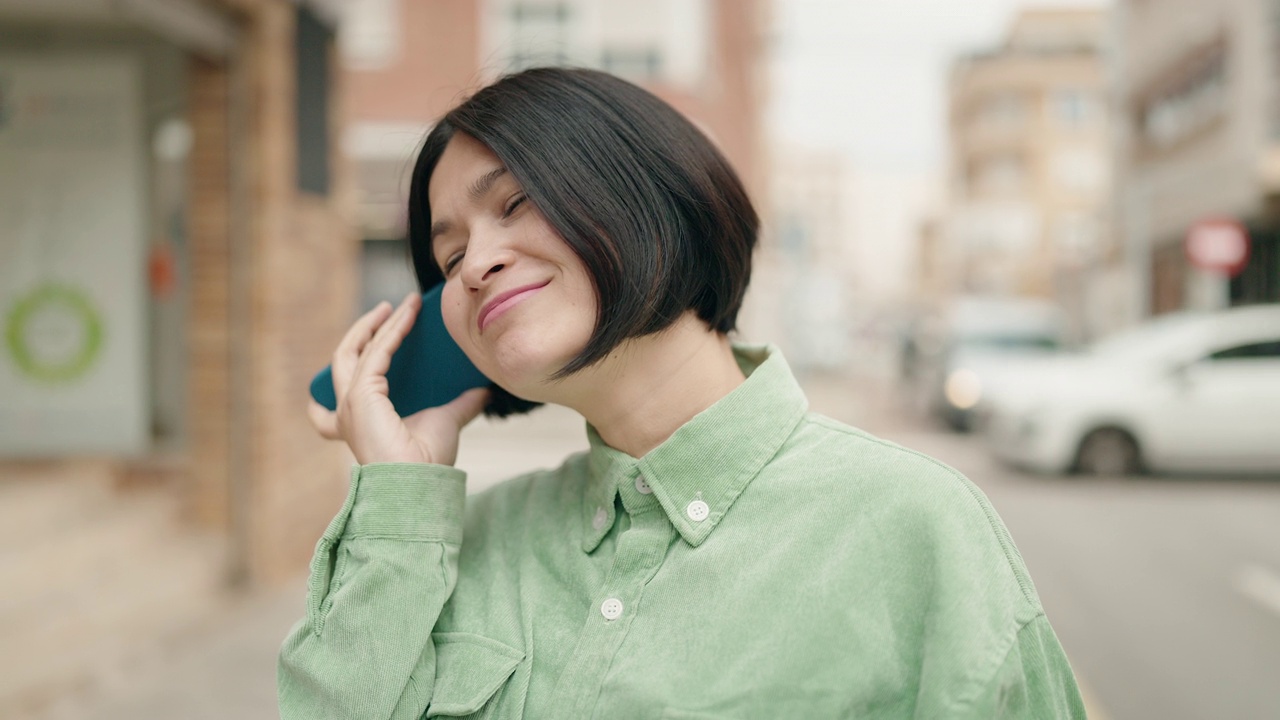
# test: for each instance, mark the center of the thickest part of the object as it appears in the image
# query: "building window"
(370, 34)
(1078, 170)
(312, 40)
(540, 34)
(638, 64)
(385, 272)
(1072, 108)
(1188, 98)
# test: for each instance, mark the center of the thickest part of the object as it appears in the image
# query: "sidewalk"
(224, 669)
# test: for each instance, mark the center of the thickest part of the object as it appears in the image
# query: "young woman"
(719, 552)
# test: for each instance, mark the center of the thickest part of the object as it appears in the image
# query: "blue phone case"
(428, 370)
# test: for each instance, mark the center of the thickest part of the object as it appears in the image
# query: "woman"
(719, 552)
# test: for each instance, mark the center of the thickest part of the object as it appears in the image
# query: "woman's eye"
(511, 206)
(452, 263)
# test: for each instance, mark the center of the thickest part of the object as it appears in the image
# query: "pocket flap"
(469, 670)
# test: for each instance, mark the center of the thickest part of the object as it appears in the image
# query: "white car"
(1185, 392)
(974, 346)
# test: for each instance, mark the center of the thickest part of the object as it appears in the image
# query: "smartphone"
(428, 369)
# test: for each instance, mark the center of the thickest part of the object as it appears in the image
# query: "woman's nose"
(483, 261)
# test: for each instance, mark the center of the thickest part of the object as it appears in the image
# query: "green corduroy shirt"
(763, 562)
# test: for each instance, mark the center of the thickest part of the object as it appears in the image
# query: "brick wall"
(274, 276)
(304, 270)
(208, 227)
(437, 66)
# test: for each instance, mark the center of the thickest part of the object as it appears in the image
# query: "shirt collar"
(709, 459)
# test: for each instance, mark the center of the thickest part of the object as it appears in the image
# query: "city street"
(1165, 592)
(1059, 219)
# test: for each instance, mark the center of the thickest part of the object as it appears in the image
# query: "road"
(1165, 592)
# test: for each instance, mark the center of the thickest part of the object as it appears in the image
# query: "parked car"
(1185, 392)
(965, 354)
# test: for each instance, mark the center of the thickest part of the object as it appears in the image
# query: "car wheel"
(1108, 452)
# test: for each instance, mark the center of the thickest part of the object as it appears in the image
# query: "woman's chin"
(526, 370)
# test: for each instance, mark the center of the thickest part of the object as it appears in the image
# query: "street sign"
(1218, 245)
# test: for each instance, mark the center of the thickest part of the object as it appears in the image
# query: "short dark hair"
(656, 213)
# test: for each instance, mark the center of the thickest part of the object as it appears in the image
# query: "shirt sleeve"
(381, 573)
(1035, 681)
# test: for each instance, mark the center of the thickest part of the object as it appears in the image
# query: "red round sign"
(1218, 245)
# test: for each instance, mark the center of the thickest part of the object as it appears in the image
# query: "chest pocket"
(470, 673)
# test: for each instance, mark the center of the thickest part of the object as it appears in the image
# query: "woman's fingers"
(375, 360)
(347, 356)
(324, 420)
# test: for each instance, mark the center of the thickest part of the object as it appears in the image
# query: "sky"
(867, 79)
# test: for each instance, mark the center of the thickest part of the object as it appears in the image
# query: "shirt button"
(642, 485)
(697, 511)
(611, 609)
(600, 519)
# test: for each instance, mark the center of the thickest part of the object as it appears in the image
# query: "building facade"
(176, 262)
(1029, 178)
(1196, 85)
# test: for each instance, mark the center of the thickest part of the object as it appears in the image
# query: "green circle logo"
(54, 334)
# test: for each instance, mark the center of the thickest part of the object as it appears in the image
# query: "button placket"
(638, 554)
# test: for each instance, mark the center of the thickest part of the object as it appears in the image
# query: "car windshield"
(1154, 339)
(1008, 342)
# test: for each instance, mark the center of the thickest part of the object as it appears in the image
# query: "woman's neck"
(648, 387)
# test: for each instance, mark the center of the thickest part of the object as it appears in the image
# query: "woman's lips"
(504, 301)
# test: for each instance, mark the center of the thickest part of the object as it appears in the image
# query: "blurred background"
(1037, 241)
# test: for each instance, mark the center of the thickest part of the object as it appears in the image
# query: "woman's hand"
(365, 419)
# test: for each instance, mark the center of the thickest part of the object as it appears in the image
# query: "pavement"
(225, 668)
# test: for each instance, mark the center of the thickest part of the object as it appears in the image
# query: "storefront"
(1259, 282)
(94, 142)
(1177, 284)
(176, 255)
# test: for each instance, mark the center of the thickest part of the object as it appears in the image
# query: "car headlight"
(963, 389)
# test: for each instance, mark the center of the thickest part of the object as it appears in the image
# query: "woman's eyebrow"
(484, 183)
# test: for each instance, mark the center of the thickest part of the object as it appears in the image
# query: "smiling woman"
(630, 187)
(516, 297)
(719, 552)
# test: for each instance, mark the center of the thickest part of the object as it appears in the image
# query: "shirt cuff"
(410, 501)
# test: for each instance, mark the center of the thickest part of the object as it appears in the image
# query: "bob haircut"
(651, 207)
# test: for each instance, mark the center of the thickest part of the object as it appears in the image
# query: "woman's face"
(516, 298)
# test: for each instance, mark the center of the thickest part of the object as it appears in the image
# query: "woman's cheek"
(454, 315)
